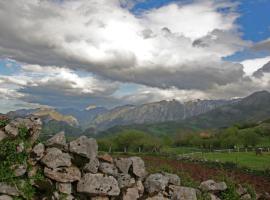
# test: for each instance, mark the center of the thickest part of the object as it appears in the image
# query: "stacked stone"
(74, 170)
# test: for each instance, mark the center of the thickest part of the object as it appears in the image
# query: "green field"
(242, 159)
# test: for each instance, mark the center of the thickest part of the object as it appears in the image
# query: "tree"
(250, 138)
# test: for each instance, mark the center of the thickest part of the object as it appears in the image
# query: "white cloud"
(105, 38)
(252, 65)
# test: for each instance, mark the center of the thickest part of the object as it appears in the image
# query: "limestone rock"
(155, 183)
(65, 188)
(3, 135)
(58, 141)
(8, 189)
(241, 190)
(138, 166)
(20, 148)
(246, 197)
(5, 197)
(140, 187)
(56, 158)
(98, 184)
(123, 164)
(19, 170)
(83, 146)
(108, 168)
(131, 194)
(38, 151)
(173, 178)
(92, 166)
(63, 174)
(11, 130)
(211, 185)
(125, 180)
(182, 193)
(214, 197)
(106, 158)
(157, 197)
(100, 198)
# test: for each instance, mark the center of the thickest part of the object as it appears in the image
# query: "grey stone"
(108, 168)
(246, 197)
(138, 166)
(173, 178)
(131, 194)
(58, 140)
(240, 190)
(20, 147)
(83, 146)
(5, 197)
(65, 188)
(8, 189)
(38, 151)
(182, 193)
(155, 183)
(213, 197)
(98, 184)
(157, 197)
(140, 187)
(56, 158)
(92, 166)
(211, 185)
(123, 164)
(63, 174)
(3, 135)
(100, 198)
(125, 180)
(11, 130)
(20, 170)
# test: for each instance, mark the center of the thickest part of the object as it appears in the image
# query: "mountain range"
(165, 114)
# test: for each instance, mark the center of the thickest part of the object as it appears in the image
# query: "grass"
(242, 159)
(180, 150)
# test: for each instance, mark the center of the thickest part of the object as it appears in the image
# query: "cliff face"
(155, 112)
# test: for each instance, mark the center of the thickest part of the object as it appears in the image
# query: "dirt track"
(200, 172)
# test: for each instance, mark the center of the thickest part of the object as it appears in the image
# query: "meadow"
(242, 159)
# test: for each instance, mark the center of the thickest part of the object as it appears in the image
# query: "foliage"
(10, 157)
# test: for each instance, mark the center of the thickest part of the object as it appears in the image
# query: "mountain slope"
(254, 108)
(162, 111)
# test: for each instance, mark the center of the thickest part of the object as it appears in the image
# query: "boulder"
(106, 158)
(58, 141)
(212, 186)
(8, 189)
(108, 168)
(5, 197)
(65, 188)
(83, 146)
(131, 194)
(38, 151)
(155, 183)
(123, 164)
(92, 166)
(56, 158)
(125, 180)
(98, 184)
(20, 147)
(138, 167)
(173, 178)
(3, 135)
(11, 129)
(63, 174)
(182, 193)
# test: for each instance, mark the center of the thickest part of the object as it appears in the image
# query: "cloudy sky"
(75, 53)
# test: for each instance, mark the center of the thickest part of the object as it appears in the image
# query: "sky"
(76, 53)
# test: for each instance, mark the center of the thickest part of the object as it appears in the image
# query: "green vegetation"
(10, 158)
(242, 159)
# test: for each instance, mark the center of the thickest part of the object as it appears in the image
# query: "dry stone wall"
(74, 170)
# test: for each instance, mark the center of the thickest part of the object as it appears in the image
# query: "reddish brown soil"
(201, 173)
